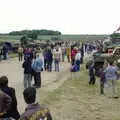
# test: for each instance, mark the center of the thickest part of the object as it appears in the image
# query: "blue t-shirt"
(37, 65)
(111, 72)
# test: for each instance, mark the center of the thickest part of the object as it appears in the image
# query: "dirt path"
(50, 80)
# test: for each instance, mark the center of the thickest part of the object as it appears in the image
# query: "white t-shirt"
(78, 56)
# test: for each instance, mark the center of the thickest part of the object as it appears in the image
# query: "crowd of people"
(108, 72)
(33, 64)
(4, 53)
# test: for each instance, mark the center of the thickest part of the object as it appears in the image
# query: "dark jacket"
(5, 102)
(50, 56)
(91, 70)
(27, 65)
(36, 112)
(12, 111)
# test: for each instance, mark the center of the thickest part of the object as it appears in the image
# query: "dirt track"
(50, 81)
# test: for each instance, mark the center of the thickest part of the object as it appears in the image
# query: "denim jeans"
(77, 62)
(112, 87)
(27, 80)
(37, 78)
(57, 65)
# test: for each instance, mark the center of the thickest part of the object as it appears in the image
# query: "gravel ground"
(50, 80)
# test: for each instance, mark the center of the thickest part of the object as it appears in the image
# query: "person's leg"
(94, 79)
(68, 58)
(78, 64)
(55, 62)
(4, 56)
(81, 59)
(72, 61)
(101, 87)
(45, 64)
(35, 78)
(25, 80)
(50, 66)
(0, 57)
(63, 57)
(29, 80)
(114, 88)
(58, 66)
(19, 56)
(90, 80)
(38, 76)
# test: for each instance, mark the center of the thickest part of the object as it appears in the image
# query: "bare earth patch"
(50, 80)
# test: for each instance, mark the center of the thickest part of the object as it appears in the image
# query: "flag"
(118, 29)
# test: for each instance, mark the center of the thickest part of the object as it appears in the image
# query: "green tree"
(24, 41)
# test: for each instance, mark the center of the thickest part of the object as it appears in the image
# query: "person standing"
(20, 53)
(5, 52)
(50, 60)
(82, 54)
(92, 74)
(111, 78)
(0, 54)
(73, 54)
(27, 65)
(102, 80)
(77, 59)
(34, 111)
(57, 59)
(37, 66)
(68, 52)
(63, 53)
(45, 59)
(12, 111)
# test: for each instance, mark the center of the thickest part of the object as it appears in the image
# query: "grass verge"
(76, 100)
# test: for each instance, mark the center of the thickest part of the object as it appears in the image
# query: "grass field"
(75, 100)
(48, 37)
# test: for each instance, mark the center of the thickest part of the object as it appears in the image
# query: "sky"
(66, 16)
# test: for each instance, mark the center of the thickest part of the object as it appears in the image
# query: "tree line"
(35, 32)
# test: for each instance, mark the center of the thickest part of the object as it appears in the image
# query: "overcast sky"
(67, 16)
